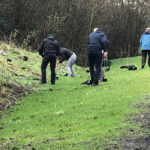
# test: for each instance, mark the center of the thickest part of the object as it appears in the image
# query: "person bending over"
(71, 57)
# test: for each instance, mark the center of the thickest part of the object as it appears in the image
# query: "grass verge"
(70, 116)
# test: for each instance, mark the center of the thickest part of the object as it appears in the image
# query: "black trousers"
(144, 56)
(46, 60)
(95, 60)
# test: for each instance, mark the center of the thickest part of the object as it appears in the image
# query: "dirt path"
(135, 141)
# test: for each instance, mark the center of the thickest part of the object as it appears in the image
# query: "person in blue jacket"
(145, 46)
(97, 42)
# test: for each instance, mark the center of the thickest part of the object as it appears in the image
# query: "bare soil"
(138, 138)
(13, 92)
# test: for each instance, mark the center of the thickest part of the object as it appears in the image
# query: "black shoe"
(52, 83)
(43, 82)
(86, 82)
(89, 82)
(72, 75)
(57, 78)
(104, 80)
(94, 84)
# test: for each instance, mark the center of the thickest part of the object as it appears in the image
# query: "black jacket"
(97, 41)
(65, 54)
(49, 46)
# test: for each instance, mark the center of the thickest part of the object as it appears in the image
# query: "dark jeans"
(144, 55)
(95, 60)
(46, 60)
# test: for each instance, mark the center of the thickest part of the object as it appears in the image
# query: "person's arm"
(41, 48)
(62, 55)
(104, 42)
(141, 41)
(104, 53)
(57, 50)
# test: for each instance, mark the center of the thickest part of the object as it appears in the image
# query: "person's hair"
(147, 29)
(95, 29)
(50, 35)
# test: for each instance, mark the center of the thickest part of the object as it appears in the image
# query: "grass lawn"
(72, 116)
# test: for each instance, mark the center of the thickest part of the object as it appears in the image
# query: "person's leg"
(73, 59)
(72, 71)
(43, 68)
(101, 70)
(69, 67)
(148, 58)
(102, 73)
(91, 66)
(98, 61)
(52, 67)
(144, 55)
(70, 63)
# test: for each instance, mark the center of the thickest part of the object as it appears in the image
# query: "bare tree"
(123, 21)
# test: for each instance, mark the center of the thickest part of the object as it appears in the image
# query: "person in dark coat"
(49, 49)
(66, 54)
(97, 42)
(145, 46)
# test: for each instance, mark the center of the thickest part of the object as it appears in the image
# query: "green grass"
(75, 116)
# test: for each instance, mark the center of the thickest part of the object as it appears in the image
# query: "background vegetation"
(69, 115)
(28, 22)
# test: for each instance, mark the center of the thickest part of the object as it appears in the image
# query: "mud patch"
(12, 92)
(135, 143)
(136, 140)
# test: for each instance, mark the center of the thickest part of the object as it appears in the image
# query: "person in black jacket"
(71, 57)
(97, 42)
(49, 49)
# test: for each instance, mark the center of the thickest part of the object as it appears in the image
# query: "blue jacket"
(145, 41)
(97, 41)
